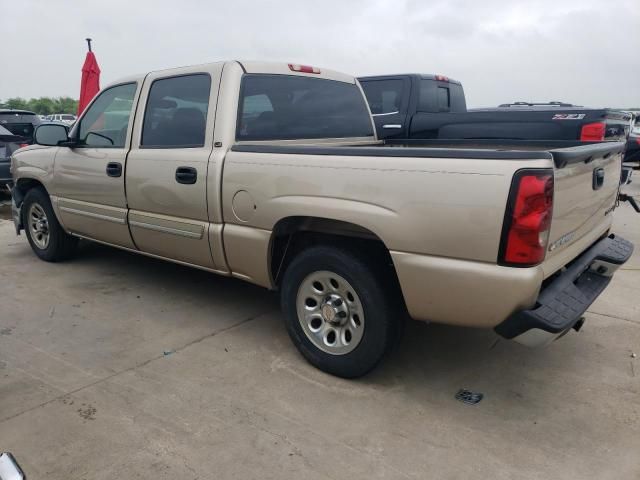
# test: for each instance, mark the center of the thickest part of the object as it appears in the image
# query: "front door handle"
(186, 175)
(392, 125)
(114, 169)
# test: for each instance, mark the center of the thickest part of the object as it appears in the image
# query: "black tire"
(61, 245)
(383, 316)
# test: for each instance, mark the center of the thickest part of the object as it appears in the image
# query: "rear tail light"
(593, 132)
(527, 221)
(442, 78)
(303, 68)
(23, 145)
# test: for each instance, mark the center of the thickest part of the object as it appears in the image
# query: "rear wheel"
(46, 236)
(340, 312)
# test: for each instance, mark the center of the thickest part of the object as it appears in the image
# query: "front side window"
(176, 113)
(384, 96)
(287, 107)
(106, 121)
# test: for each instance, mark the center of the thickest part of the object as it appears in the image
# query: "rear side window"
(176, 113)
(282, 107)
(443, 99)
(435, 97)
(384, 96)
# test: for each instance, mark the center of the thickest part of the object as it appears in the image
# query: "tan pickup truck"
(272, 173)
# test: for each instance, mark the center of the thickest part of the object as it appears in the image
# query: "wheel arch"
(23, 185)
(292, 234)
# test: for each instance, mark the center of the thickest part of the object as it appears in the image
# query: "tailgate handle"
(598, 178)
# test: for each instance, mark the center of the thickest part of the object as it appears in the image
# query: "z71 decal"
(569, 116)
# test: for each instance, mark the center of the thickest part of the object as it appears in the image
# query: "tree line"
(43, 105)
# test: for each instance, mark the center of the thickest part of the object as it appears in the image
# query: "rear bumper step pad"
(562, 302)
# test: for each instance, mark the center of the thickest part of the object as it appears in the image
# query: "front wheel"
(46, 236)
(339, 311)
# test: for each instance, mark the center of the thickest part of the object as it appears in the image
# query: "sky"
(585, 52)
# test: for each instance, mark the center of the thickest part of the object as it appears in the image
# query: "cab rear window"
(283, 107)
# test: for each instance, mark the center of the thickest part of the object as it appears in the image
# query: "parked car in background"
(66, 118)
(20, 122)
(9, 143)
(632, 152)
(417, 106)
(272, 173)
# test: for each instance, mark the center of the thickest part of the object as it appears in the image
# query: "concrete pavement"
(114, 365)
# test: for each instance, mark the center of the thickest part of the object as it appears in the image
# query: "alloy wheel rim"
(330, 312)
(38, 226)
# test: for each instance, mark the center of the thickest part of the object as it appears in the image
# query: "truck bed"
(526, 123)
(580, 209)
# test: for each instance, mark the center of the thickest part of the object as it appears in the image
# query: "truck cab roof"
(257, 67)
(421, 76)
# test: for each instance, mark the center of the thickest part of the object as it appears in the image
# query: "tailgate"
(586, 183)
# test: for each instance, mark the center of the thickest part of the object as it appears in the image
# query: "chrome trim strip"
(392, 125)
(383, 114)
(119, 221)
(173, 231)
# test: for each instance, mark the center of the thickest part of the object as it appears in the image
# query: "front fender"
(34, 163)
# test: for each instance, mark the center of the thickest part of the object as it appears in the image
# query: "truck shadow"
(430, 363)
(181, 281)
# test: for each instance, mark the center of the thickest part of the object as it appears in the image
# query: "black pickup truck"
(417, 106)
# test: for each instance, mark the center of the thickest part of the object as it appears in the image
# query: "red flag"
(90, 83)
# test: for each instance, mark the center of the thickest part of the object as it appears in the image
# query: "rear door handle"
(114, 169)
(392, 125)
(186, 175)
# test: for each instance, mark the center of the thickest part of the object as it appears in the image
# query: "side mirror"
(625, 178)
(51, 134)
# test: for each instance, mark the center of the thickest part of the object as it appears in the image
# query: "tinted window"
(279, 107)
(457, 102)
(437, 98)
(176, 113)
(22, 129)
(427, 100)
(105, 122)
(384, 96)
(443, 99)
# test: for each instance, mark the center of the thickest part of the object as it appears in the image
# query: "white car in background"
(66, 118)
